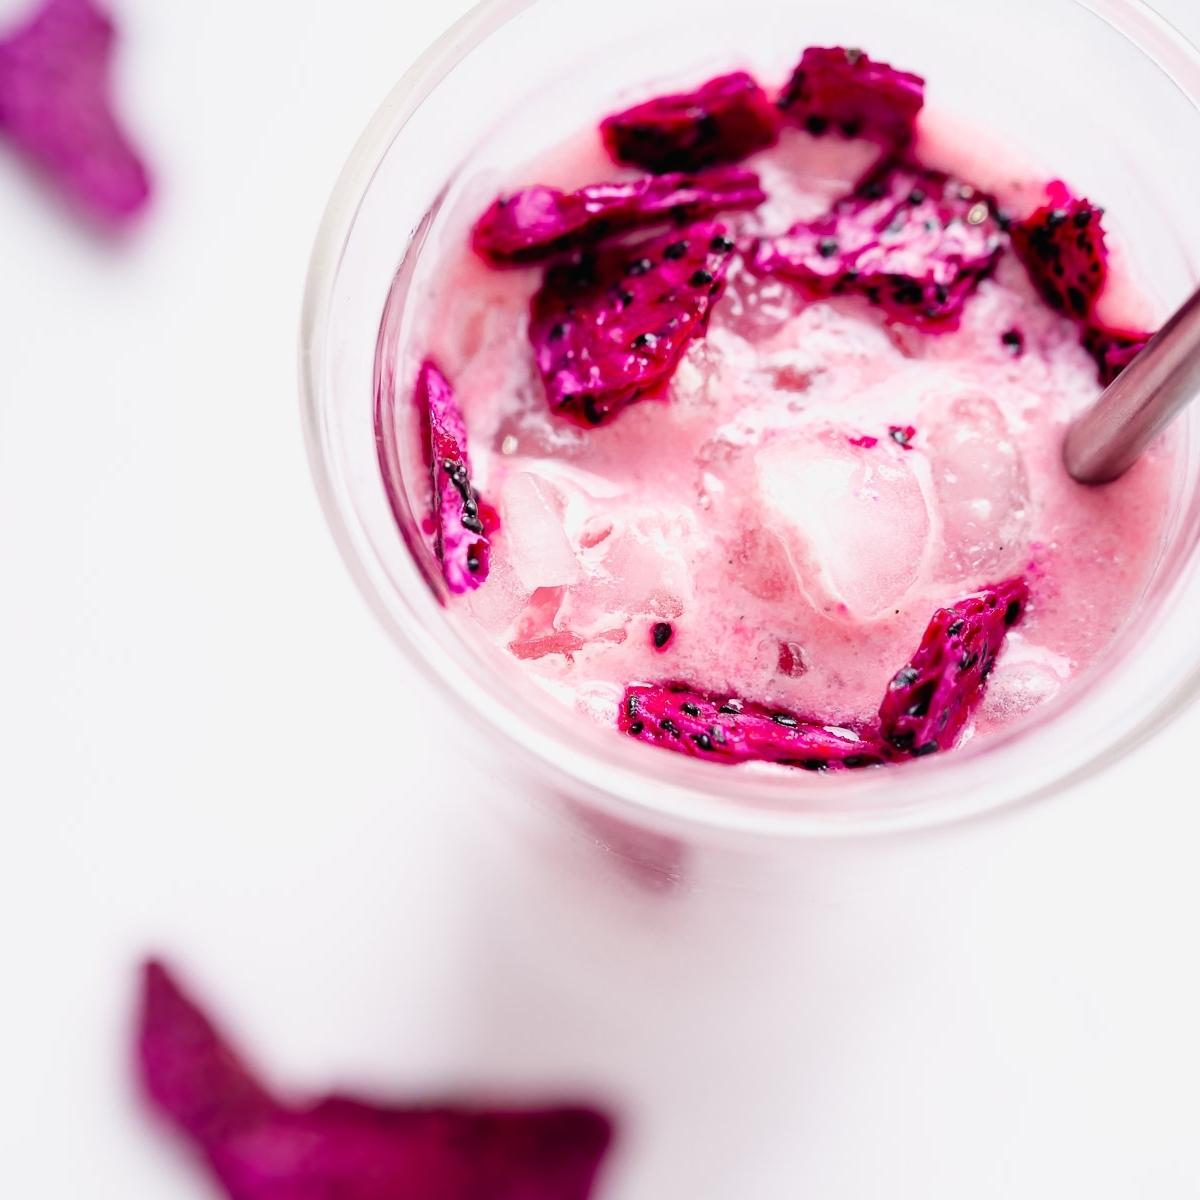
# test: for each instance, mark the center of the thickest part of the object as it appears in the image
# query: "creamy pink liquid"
(794, 566)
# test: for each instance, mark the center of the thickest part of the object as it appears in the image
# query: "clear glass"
(1040, 78)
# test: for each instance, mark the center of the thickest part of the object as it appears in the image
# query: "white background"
(207, 748)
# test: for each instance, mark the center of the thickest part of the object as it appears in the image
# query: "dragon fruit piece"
(915, 242)
(1061, 245)
(729, 730)
(723, 121)
(463, 522)
(262, 1149)
(835, 89)
(610, 325)
(930, 699)
(540, 221)
(1113, 349)
(55, 105)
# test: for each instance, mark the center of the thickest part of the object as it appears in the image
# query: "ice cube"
(981, 490)
(642, 569)
(853, 521)
(532, 528)
(498, 603)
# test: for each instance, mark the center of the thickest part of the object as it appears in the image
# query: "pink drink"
(813, 482)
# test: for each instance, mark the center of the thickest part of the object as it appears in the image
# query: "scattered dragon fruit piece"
(540, 221)
(262, 1149)
(722, 121)
(464, 522)
(913, 241)
(1113, 349)
(929, 701)
(864, 441)
(729, 730)
(902, 435)
(610, 325)
(55, 105)
(1061, 245)
(835, 89)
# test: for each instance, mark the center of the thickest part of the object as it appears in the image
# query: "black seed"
(967, 661)
(922, 700)
(1014, 340)
(669, 726)
(592, 413)
(905, 678)
(916, 196)
(731, 708)
(703, 741)
(472, 524)
(852, 128)
(473, 563)
(1083, 218)
(1012, 614)
(956, 628)
(827, 247)
(645, 341)
(626, 298)
(1056, 218)
(676, 250)
(988, 667)
(927, 749)
(1078, 302)
(557, 332)
(812, 764)
(858, 760)
(816, 125)
(721, 244)
(853, 55)
(689, 708)
(661, 634)
(631, 706)
(701, 278)
(636, 728)
(788, 722)
(904, 741)
(639, 266)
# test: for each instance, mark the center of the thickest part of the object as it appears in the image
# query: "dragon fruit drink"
(741, 419)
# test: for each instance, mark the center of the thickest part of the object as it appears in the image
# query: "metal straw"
(1110, 437)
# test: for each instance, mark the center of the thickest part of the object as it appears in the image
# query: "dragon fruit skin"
(914, 242)
(610, 325)
(462, 520)
(835, 89)
(55, 105)
(722, 121)
(729, 730)
(540, 222)
(930, 699)
(1061, 245)
(260, 1148)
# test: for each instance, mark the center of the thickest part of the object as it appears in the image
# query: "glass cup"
(515, 76)
(789, 1003)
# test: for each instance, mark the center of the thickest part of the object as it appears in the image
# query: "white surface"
(209, 749)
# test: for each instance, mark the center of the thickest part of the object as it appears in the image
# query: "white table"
(204, 751)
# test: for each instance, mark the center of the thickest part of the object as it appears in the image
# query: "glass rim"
(693, 793)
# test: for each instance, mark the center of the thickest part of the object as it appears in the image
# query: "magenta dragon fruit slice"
(610, 325)
(1113, 349)
(914, 242)
(540, 221)
(838, 90)
(260, 1148)
(722, 121)
(1061, 245)
(463, 521)
(727, 729)
(931, 698)
(55, 105)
